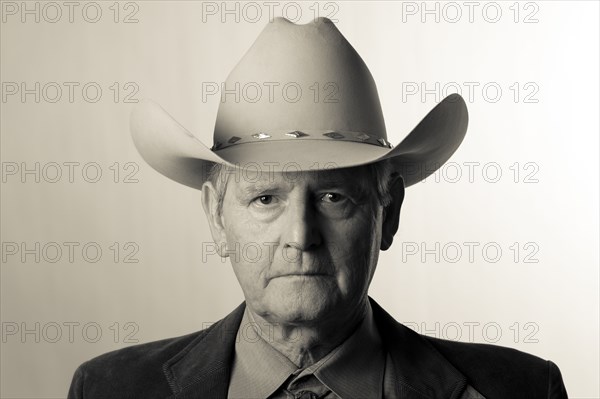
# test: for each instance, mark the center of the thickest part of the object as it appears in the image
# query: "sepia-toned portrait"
(307, 200)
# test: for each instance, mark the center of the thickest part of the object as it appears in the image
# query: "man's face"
(304, 245)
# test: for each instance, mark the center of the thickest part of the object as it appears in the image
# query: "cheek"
(242, 224)
(250, 253)
(356, 254)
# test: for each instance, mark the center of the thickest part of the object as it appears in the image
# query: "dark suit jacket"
(198, 365)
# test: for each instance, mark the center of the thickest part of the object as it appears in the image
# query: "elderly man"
(311, 183)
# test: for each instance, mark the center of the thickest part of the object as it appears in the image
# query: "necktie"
(309, 395)
(307, 387)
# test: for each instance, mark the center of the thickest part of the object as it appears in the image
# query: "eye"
(264, 199)
(332, 197)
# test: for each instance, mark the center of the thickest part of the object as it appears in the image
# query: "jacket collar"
(202, 369)
(420, 370)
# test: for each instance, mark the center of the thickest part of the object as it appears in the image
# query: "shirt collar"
(353, 369)
(258, 368)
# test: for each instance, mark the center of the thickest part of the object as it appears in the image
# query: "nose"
(303, 231)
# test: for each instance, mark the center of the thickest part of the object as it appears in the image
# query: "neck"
(306, 343)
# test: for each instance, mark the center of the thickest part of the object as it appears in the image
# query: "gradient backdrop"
(100, 252)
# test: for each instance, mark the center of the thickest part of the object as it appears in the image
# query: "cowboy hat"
(300, 99)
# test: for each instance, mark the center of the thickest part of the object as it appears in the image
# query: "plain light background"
(540, 132)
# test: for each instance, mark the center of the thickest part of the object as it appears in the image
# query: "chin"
(306, 305)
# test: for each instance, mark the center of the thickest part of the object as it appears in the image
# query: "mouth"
(303, 275)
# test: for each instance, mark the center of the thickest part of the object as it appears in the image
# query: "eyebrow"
(252, 190)
(352, 183)
(336, 181)
(355, 182)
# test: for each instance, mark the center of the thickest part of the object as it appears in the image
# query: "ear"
(210, 203)
(391, 213)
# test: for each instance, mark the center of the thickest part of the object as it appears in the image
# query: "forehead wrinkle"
(353, 179)
(268, 183)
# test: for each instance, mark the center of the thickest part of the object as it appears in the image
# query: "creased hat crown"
(301, 99)
(306, 79)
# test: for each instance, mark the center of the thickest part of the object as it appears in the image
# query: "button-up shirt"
(354, 369)
(359, 368)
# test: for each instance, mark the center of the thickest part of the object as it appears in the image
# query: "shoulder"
(494, 371)
(497, 371)
(147, 355)
(133, 368)
(146, 370)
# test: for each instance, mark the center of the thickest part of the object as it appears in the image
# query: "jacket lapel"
(203, 368)
(420, 370)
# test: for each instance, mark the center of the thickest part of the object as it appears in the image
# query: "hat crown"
(299, 81)
(312, 131)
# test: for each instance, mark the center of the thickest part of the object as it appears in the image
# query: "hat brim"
(177, 154)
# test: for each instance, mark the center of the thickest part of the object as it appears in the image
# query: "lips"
(304, 274)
